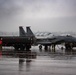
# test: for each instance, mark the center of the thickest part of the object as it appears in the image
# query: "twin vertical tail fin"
(27, 33)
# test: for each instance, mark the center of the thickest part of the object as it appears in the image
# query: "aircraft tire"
(28, 47)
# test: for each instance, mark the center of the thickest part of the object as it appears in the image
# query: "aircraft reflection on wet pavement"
(21, 54)
(36, 62)
(32, 54)
(24, 57)
(29, 56)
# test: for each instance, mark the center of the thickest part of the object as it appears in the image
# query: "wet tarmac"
(38, 62)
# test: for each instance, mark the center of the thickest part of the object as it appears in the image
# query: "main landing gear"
(22, 47)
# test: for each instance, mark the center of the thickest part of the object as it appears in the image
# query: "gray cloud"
(9, 8)
(46, 7)
(52, 15)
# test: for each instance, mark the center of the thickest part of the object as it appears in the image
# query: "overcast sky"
(41, 15)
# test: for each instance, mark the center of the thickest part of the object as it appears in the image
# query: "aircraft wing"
(44, 43)
(57, 40)
(64, 39)
(70, 39)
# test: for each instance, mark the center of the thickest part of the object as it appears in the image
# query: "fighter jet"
(69, 41)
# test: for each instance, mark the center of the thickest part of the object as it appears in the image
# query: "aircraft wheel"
(16, 48)
(28, 47)
(22, 47)
(40, 47)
